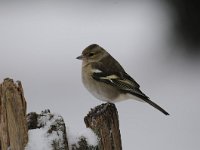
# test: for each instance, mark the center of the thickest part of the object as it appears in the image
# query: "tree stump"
(13, 126)
(103, 120)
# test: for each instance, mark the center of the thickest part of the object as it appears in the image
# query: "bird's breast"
(100, 90)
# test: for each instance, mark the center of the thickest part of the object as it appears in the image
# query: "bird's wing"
(117, 78)
(122, 81)
(109, 66)
(125, 84)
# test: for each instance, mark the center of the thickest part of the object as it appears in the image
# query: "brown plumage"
(106, 79)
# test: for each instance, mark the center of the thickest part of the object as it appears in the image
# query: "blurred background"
(156, 41)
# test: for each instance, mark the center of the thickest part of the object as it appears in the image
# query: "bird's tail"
(147, 100)
(156, 106)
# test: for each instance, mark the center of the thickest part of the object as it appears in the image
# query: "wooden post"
(13, 126)
(103, 120)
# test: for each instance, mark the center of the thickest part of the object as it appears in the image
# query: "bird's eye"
(91, 54)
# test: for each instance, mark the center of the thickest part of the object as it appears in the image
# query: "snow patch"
(88, 134)
(41, 139)
(49, 132)
(38, 140)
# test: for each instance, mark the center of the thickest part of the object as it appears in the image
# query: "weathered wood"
(13, 126)
(103, 120)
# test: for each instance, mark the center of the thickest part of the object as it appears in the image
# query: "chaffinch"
(106, 79)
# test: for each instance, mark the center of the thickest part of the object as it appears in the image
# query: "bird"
(106, 79)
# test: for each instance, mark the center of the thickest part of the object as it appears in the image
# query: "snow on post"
(47, 131)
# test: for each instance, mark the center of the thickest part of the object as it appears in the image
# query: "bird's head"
(93, 53)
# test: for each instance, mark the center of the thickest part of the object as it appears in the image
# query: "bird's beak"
(80, 57)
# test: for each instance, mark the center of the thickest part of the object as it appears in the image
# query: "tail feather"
(147, 100)
(156, 106)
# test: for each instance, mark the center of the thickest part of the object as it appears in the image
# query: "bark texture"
(103, 120)
(13, 126)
